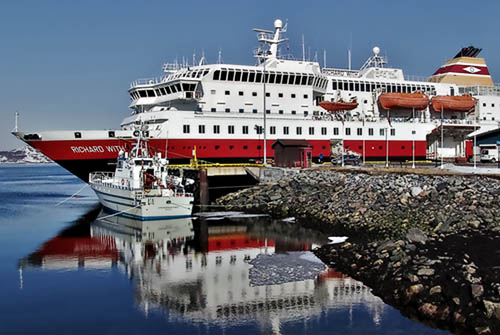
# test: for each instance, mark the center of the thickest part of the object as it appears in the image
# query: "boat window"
(393, 88)
(167, 88)
(178, 87)
(143, 94)
(245, 129)
(230, 129)
(393, 132)
(244, 76)
(360, 131)
(294, 112)
(226, 92)
(306, 113)
(111, 133)
(254, 111)
(299, 130)
(151, 93)
(382, 132)
(163, 92)
(280, 95)
(278, 78)
(285, 78)
(237, 75)
(297, 79)
(323, 130)
(186, 87)
(280, 111)
(452, 91)
(213, 110)
(348, 131)
(334, 84)
(304, 80)
(228, 110)
(404, 89)
(272, 76)
(157, 92)
(240, 93)
(173, 88)
(268, 111)
(370, 131)
(285, 130)
(251, 77)
(78, 134)
(306, 96)
(291, 78)
(258, 77)
(377, 85)
(132, 96)
(310, 80)
(230, 75)
(335, 131)
(356, 86)
(185, 129)
(216, 129)
(242, 110)
(223, 75)
(351, 86)
(254, 94)
(201, 129)
(272, 130)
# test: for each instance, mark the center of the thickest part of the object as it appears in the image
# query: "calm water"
(65, 272)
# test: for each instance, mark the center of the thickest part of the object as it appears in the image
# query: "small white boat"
(141, 188)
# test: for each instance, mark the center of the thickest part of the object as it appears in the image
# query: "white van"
(489, 155)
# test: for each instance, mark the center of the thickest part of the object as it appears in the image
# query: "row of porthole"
(231, 147)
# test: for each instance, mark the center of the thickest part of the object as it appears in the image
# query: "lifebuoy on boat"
(136, 133)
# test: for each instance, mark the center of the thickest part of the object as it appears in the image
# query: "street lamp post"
(413, 140)
(386, 147)
(442, 139)
(265, 130)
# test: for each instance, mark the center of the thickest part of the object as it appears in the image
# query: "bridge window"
(278, 78)
(291, 79)
(216, 74)
(271, 78)
(230, 75)
(223, 75)
(251, 77)
(244, 76)
(142, 94)
(297, 79)
(356, 86)
(237, 76)
(258, 77)
(310, 80)
(334, 84)
(304, 80)
(167, 88)
(178, 87)
(285, 78)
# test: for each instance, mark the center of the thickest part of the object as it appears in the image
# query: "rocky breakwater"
(373, 205)
(449, 280)
(426, 244)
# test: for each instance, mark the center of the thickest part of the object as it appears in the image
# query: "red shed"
(292, 153)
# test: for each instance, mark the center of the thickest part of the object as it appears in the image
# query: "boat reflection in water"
(199, 272)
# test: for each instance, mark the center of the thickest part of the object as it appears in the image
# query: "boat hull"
(123, 201)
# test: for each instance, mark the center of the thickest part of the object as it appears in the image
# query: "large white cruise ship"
(219, 109)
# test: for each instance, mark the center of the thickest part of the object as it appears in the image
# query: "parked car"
(489, 155)
(348, 160)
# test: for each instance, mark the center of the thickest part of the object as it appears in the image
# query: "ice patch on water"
(290, 219)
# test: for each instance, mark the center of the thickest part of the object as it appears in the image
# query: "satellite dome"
(278, 24)
(376, 50)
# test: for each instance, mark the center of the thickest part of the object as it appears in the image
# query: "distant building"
(292, 153)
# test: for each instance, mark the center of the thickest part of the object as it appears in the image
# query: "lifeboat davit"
(461, 103)
(416, 100)
(339, 105)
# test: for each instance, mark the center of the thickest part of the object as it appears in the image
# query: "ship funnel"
(464, 69)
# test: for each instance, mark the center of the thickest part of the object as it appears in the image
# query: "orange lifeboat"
(415, 100)
(461, 103)
(339, 105)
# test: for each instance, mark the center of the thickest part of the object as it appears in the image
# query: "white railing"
(100, 176)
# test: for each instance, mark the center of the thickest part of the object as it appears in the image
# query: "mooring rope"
(61, 202)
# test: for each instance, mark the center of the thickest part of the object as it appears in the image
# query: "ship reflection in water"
(197, 271)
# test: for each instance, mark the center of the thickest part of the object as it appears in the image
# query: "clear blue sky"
(68, 64)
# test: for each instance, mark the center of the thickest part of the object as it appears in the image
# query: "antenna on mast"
(219, 59)
(324, 58)
(15, 130)
(303, 49)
